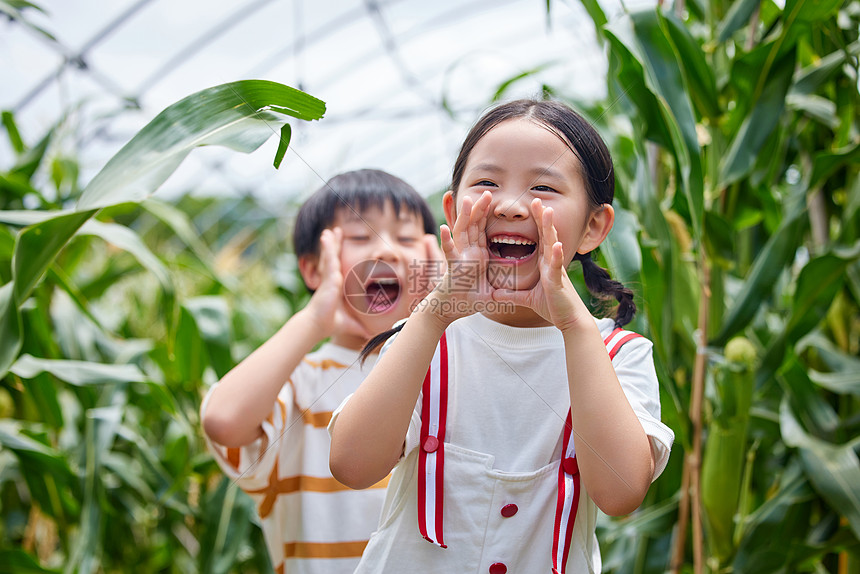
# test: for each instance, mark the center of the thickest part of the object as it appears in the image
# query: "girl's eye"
(485, 183)
(544, 188)
(358, 237)
(407, 240)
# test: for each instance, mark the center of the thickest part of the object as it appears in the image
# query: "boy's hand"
(553, 297)
(433, 268)
(328, 304)
(465, 247)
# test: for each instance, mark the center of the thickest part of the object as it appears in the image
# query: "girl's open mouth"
(381, 294)
(511, 248)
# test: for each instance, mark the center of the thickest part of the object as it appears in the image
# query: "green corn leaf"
(38, 245)
(813, 410)
(836, 360)
(7, 247)
(19, 562)
(719, 237)
(699, 75)
(181, 225)
(810, 10)
(10, 328)
(14, 185)
(826, 163)
(15, 140)
(227, 519)
(126, 239)
(148, 456)
(760, 122)
(598, 16)
(738, 16)
(817, 285)
(212, 318)
(129, 470)
(191, 362)
(839, 383)
(768, 265)
(241, 115)
(772, 533)
(30, 161)
(101, 427)
(14, 10)
(816, 107)
(834, 470)
(25, 217)
(642, 37)
(78, 373)
(63, 282)
(14, 438)
(504, 86)
(811, 78)
(283, 144)
(626, 263)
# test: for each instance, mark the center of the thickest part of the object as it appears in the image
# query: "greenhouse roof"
(402, 79)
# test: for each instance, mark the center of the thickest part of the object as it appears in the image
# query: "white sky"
(383, 67)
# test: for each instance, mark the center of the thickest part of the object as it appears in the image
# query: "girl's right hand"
(464, 285)
(328, 304)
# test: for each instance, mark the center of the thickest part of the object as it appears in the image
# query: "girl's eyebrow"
(537, 172)
(549, 171)
(491, 167)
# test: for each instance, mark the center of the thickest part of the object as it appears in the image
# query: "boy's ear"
(597, 228)
(310, 270)
(449, 207)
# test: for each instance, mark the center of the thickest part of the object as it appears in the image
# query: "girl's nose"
(512, 206)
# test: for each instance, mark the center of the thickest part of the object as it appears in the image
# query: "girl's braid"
(602, 285)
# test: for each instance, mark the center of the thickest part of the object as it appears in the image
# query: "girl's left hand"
(553, 297)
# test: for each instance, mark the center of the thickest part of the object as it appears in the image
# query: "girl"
(508, 412)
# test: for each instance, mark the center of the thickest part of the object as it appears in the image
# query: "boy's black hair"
(357, 190)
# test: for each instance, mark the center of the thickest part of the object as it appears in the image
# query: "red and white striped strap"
(617, 338)
(567, 502)
(568, 474)
(431, 452)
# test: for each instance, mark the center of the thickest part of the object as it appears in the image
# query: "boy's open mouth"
(381, 293)
(512, 248)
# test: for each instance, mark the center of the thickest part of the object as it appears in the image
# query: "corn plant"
(734, 127)
(116, 311)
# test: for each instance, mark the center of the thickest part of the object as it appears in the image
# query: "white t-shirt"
(508, 401)
(312, 524)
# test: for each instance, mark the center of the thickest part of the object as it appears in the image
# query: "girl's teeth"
(511, 241)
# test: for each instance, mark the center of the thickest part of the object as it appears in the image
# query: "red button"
(509, 510)
(431, 443)
(570, 466)
(498, 568)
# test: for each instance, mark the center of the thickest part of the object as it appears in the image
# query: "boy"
(359, 241)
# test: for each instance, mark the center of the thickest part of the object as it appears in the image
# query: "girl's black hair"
(597, 173)
(358, 191)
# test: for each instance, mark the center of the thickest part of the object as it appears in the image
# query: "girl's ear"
(310, 269)
(597, 228)
(449, 207)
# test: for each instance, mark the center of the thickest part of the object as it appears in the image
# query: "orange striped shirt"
(312, 524)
